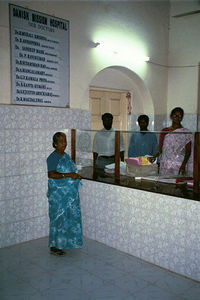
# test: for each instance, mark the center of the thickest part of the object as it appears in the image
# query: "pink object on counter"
(134, 161)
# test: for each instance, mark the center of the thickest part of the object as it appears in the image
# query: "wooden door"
(102, 101)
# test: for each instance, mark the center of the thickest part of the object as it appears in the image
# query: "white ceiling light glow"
(120, 52)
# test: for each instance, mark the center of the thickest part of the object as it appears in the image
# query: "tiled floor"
(95, 272)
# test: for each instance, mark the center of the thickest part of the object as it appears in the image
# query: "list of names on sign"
(40, 62)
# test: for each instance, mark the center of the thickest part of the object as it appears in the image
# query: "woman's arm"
(56, 175)
(158, 153)
(186, 157)
(122, 155)
(95, 156)
(159, 150)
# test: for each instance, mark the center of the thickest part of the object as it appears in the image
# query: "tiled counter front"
(160, 229)
(25, 142)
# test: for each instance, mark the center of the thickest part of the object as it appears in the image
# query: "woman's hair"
(56, 136)
(177, 109)
(143, 117)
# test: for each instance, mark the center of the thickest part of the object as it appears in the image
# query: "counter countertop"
(170, 189)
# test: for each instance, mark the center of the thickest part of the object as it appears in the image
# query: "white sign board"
(39, 58)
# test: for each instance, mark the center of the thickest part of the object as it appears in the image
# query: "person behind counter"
(175, 147)
(144, 142)
(65, 230)
(104, 144)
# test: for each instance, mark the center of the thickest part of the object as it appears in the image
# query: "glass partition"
(130, 157)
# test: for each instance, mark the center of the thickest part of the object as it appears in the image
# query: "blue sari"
(64, 208)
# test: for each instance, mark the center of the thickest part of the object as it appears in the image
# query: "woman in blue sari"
(64, 203)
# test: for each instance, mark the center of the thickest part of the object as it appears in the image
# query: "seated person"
(144, 142)
(104, 144)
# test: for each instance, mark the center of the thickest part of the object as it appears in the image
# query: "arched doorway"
(122, 80)
(108, 91)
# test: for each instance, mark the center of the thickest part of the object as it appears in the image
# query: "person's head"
(177, 114)
(59, 141)
(107, 120)
(143, 121)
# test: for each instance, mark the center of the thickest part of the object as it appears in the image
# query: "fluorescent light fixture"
(121, 52)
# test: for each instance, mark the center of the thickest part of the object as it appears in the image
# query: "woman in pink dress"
(175, 147)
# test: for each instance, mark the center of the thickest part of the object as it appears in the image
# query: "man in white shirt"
(104, 143)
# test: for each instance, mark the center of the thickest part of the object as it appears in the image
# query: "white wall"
(130, 24)
(184, 56)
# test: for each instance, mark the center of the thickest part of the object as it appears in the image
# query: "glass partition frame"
(116, 175)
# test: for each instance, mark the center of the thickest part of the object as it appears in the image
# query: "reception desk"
(157, 222)
(180, 189)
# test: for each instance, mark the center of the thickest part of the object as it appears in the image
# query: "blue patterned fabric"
(64, 208)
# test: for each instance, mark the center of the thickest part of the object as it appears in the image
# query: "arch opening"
(119, 78)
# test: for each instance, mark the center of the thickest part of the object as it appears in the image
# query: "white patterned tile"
(151, 226)
(147, 254)
(25, 117)
(12, 164)
(190, 121)
(49, 140)
(84, 119)
(39, 183)
(119, 235)
(192, 240)
(40, 205)
(41, 226)
(192, 264)
(12, 141)
(39, 140)
(10, 212)
(15, 233)
(13, 186)
(39, 162)
(162, 256)
(38, 118)
(3, 236)
(20, 231)
(53, 119)
(193, 227)
(89, 227)
(30, 229)
(2, 188)
(177, 259)
(24, 208)
(2, 212)
(135, 239)
(177, 237)
(25, 163)
(2, 116)
(193, 211)
(2, 164)
(134, 247)
(11, 118)
(25, 140)
(2, 140)
(26, 185)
